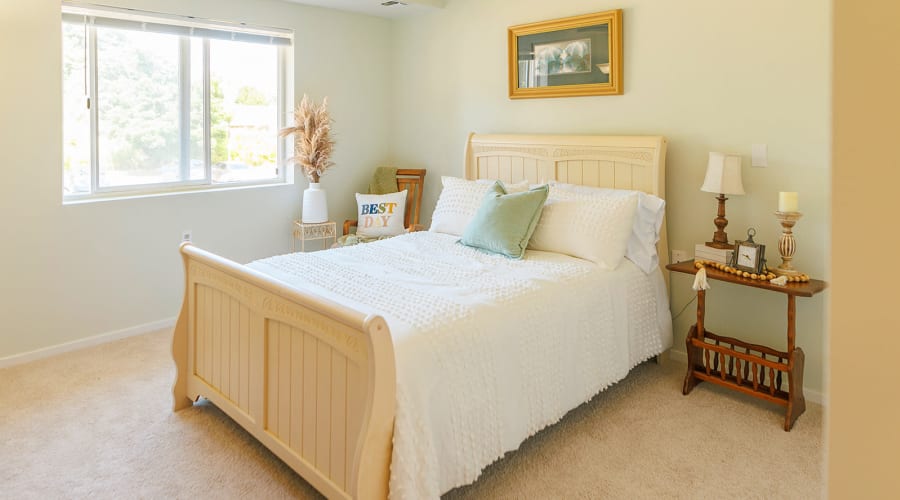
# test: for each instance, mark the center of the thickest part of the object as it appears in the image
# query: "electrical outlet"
(186, 235)
(680, 256)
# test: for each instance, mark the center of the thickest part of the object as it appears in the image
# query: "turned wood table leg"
(694, 353)
(693, 357)
(791, 323)
(701, 312)
(796, 402)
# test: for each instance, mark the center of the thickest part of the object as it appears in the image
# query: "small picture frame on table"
(749, 256)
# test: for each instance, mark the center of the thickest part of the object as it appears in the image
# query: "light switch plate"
(760, 155)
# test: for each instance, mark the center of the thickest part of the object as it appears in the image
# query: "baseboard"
(46, 352)
(813, 396)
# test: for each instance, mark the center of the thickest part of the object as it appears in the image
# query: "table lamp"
(723, 176)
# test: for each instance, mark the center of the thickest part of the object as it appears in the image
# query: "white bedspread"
(488, 350)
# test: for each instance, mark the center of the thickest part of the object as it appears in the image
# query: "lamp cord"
(685, 307)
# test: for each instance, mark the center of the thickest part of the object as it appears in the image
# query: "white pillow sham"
(645, 234)
(586, 226)
(460, 199)
(648, 218)
(380, 214)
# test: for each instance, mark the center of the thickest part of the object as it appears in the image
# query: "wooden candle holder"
(786, 244)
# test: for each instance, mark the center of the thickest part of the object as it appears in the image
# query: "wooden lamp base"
(716, 244)
(720, 237)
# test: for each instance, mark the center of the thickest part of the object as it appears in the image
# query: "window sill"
(181, 190)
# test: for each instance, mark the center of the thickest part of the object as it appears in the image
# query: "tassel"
(700, 282)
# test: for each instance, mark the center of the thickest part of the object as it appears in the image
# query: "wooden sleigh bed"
(314, 380)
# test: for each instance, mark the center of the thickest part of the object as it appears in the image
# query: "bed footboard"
(312, 380)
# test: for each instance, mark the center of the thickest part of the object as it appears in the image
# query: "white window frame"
(284, 101)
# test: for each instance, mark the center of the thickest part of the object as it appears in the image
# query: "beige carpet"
(97, 424)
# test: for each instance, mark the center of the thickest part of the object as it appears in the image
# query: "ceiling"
(374, 7)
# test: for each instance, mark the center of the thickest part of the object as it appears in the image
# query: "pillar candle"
(787, 202)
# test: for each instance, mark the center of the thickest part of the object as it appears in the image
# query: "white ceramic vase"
(315, 205)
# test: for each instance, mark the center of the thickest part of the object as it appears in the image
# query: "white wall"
(75, 271)
(709, 75)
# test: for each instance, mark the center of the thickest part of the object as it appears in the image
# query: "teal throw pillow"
(504, 222)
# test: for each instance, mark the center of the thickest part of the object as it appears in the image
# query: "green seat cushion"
(504, 222)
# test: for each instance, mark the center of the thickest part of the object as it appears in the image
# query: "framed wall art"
(573, 56)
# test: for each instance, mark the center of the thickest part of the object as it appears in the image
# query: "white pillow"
(645, 234)
(460, 199)
(647, 222)
(380, 214)
(586, 226)
(516, 187)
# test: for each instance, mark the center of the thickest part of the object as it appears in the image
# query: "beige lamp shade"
(723, 174)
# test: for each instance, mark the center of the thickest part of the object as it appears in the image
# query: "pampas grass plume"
(313, 145)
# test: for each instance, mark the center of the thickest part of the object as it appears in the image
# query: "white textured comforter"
(488, 350)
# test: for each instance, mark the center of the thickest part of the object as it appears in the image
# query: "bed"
(410, 391)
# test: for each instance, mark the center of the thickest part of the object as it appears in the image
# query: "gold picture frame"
(572, 56)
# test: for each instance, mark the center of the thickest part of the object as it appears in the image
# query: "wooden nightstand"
(312, 232)
(749, 368)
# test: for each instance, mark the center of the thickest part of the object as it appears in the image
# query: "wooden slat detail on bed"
(634, 168)
(228, 335)
(296, 371)
(308, 382)
(620, 162)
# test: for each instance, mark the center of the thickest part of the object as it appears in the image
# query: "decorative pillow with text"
(380, 214)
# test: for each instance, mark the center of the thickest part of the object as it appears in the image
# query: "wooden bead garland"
(699, 263)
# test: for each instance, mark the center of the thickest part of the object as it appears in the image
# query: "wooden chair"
(413, 181)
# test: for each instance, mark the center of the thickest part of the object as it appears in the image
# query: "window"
(155, 102)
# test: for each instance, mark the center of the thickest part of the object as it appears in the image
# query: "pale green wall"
(709, 75)
(72, 272)
(706, 74)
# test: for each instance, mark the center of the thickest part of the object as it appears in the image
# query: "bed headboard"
(620, 162)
